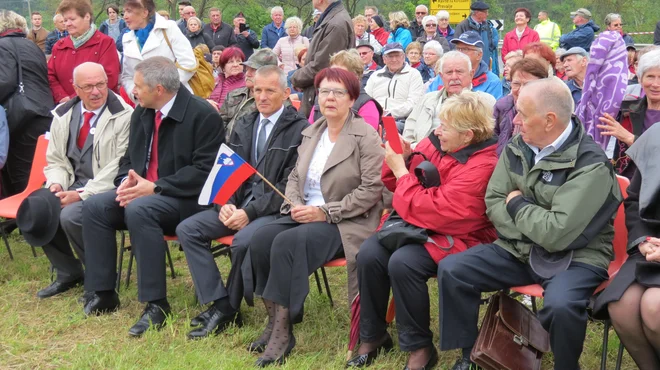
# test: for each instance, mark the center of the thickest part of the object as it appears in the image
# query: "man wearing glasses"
(88, 135)
(417, 27)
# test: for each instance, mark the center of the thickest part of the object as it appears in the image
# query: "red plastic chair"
(620, 244)
(339, 262)
(296, 104)
(9, 206)
(123, 247)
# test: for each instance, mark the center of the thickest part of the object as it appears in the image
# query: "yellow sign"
(458, 9)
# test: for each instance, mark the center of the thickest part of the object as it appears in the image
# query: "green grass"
(54, 333)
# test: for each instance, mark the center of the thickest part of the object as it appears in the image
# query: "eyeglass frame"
(89, 88)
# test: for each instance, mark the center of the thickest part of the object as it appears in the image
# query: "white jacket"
(398, 94)
(110, 144)
(156, 46)
(366, 36)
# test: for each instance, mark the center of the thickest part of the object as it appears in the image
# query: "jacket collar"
(637, 112)
(385, 72)
(161, 22)
(465, 153)
(566, 154)
(67, 43)
(330, 12)
(114, 105)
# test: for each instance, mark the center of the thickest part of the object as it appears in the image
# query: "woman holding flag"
(333, 203)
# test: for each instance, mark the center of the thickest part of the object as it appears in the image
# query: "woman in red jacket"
(521, 35)
(453, 214)
(84, 44)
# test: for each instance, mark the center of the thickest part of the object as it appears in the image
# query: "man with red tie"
(174, 138)
(88, 135)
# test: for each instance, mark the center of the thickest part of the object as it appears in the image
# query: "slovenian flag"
(227, 175)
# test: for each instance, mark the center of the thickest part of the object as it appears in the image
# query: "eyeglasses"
(515, 85)
(420, 13)
(338, 93)
(429, 54)
(89, 88)
(431, 25)
(363, 53)
(466, 50)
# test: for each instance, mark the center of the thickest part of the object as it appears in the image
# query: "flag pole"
(274, 188)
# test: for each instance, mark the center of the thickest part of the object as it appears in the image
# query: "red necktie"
(84, 130)
(152, 171)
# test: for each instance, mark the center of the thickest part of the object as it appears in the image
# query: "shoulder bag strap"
(169, 44)
(21, 86)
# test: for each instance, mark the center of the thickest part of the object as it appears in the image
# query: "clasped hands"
(133, 187)
(66, 197)
(650, 249)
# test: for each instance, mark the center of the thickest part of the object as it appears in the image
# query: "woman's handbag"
(511, 337)
(202, 81)
(18, 106)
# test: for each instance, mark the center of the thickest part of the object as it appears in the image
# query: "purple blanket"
(604, 84)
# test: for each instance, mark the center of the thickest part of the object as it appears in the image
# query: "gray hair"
(55, 17)
(199, 21)
(435, 46)
(442, 15)
(556, 97)
(455, 55)
(648, 61)
(513, 54)
(611, 18)
(159, 71)
(428, 18)
(88, 65)
(293, 21)
(372, 8)
(560, 51)
(423, 6)
(276, 9)
(10, 20)
(273, 69)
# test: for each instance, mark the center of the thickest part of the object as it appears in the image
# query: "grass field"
(54, 333)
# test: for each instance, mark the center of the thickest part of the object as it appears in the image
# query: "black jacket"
(416, 30)
(281, 158)
(247, 44)
(198, 38)
(188, 141)
(35, 79)
(656, 34)
(222, 36)
(639, 226)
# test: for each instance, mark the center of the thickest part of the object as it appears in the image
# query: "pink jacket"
(224, 85)
(284, 49)
(511, 42)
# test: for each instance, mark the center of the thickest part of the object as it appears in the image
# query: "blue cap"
(469, 38)
(392, 47)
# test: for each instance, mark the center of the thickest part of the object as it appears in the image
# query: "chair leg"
(606, 333)
(534, 305)
(318, 282)
(327, 286)
(130, 267)
(122, 243)
(34, 252)
(169, 259)
(6, 240)
(619, 357)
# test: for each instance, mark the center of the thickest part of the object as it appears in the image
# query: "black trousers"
(59, 252)
(284, 253)
(406, 270)
(486, 268)
(147, 219)
(196, 234)
(22, 144)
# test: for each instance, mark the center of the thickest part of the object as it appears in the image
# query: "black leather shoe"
(202, 318)
(152, 316)
(56, 288)
(258, 346)
(366, 359)
(262, 362)
(216, 323)
(97, 305)
(86, 297)
(465, 364)
(433, 360)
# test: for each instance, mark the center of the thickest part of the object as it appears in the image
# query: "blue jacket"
(484, 81)
(426, 71)
(4, 137)
(450, 36)
(489, 36)
(270, 35)
(401, 35)
(103, 28)
(581, 36)
(576, 91)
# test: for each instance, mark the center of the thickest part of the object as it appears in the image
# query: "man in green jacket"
(552, 199)
(548, 31)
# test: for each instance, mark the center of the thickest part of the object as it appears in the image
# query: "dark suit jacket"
(188, 141)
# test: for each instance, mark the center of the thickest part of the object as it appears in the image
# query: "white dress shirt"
(542, 153)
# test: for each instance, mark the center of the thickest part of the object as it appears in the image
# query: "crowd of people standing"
(138, 108)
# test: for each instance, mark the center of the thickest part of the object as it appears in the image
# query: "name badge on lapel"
(546, 176)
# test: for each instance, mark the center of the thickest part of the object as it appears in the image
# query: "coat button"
(70, 80)
(73, 52)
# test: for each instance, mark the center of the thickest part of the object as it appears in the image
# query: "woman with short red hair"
(335, 191)
(521, 35)
(543, 53)
(84, 44)
(231, 64)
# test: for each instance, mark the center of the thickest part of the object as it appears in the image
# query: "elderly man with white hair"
(455, 70)
(575, 62)
(88, 135)
(417, 26)
(274, 30)
(58, 33)
(443, 25)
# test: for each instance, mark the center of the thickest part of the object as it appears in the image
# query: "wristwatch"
(157, 189)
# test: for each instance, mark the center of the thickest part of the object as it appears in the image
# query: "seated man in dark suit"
(552, 199)
(173, 142)
(269, 140)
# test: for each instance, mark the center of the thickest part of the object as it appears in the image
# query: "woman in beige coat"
(335, 193)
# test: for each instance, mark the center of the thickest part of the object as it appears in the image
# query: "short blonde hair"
(414, 45)
(199, 21)
(360, 19)
(469, 111)
(293, 21)
(399, 19)
(442, 15)
(513, 54)
(10, 20)
(350, 59)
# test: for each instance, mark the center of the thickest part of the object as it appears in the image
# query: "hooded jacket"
(511, 42)
(565, 198)
(581, 36)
